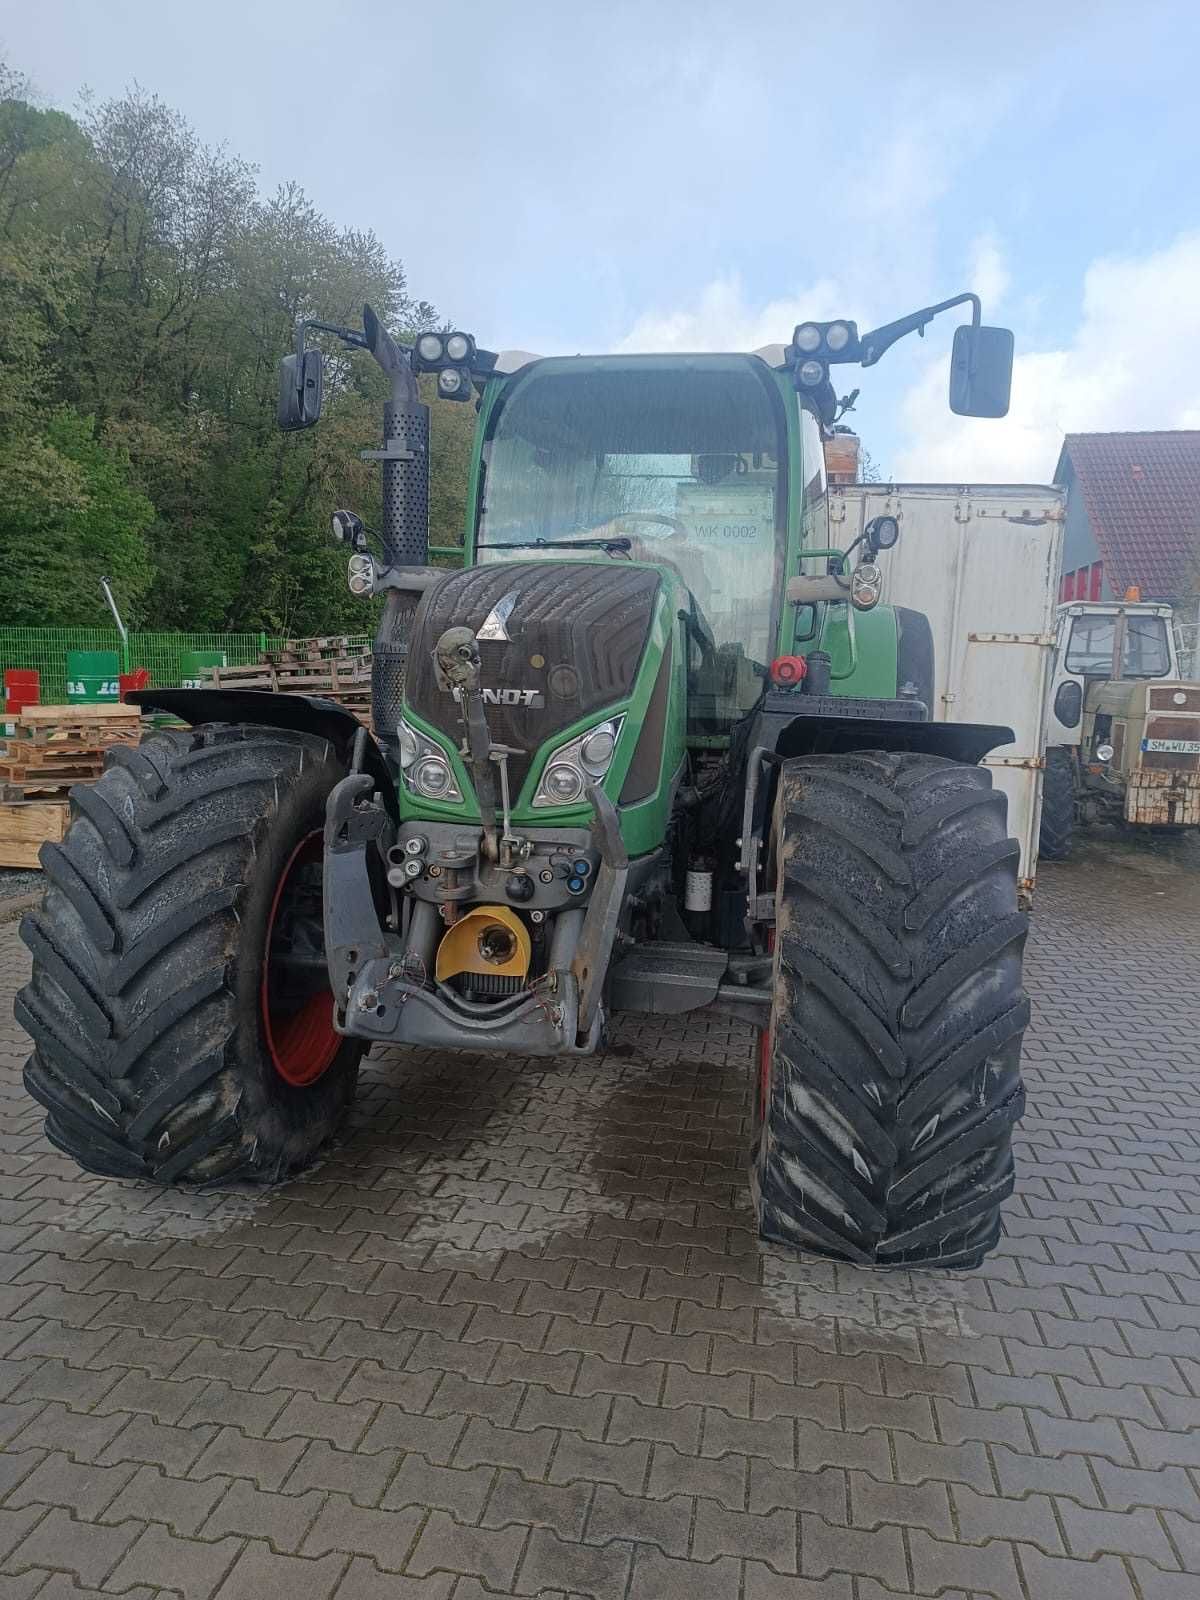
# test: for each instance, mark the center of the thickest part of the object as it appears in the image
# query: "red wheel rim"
(764, 1051)
(301, 1038)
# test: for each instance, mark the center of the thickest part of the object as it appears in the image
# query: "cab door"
(1064, 705)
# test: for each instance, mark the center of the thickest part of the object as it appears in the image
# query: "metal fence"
(45, 649)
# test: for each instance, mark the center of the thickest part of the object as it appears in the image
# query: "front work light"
(811, 373)
(807, 337)
(454, 383)
(460, 347)
(571, 766)
(424, 765)
(430, 348)
(561, 785)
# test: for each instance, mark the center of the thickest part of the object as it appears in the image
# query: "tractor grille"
(1163, 699)
(576, 634)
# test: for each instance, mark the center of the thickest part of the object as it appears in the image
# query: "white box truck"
(982, 561)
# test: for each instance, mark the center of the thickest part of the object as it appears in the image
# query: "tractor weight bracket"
(593, 953)
(353, 935)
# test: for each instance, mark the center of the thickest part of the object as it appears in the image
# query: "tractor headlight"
(458, 347)
(810, 373)
(1104, 752)
(424, 766)
(807, 337)
(596, 751)
(432, 778)
(572, 766)
(451, 383)
(561, 785)
(837, 336)
(430, 348)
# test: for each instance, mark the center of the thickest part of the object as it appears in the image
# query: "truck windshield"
(1146, 653)
(679, 457)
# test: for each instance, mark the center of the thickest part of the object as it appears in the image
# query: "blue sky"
(689, 175)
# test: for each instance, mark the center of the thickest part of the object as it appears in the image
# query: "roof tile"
(1142, 493)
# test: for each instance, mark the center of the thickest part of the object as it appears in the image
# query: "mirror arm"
(378, 342)
(879, 340)
(346, 335)
(391, 359)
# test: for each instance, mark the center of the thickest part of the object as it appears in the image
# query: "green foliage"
(82, 521)
(147, 291)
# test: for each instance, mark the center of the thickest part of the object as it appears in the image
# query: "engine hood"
(558, 641)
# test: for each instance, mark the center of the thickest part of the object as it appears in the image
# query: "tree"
(147, 291)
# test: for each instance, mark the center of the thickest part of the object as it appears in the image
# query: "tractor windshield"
(1146, 654)
(679, 456)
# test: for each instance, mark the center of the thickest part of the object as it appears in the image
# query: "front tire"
(1056, 833)
(179, 1006)
(891, 1073)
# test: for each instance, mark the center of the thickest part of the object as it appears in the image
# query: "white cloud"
(873, 210)
(721, 319)
(989, 272)
(1133, 363)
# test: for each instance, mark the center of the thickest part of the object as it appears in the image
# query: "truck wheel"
(179, 1006)
(1057, 830)
(891, 1076)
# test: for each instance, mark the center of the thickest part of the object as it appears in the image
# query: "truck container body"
(982, 562)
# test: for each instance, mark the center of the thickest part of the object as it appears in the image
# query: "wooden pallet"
(26, 826)
(345, 679)
(100, 714)
(52, 747)
(339, 647)
(44, 785)
(261, 676)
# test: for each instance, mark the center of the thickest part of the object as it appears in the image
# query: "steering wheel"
(615, 528)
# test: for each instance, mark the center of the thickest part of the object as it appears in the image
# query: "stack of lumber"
(25, 828)
(48, 749)
(52, 747)
(336, 668)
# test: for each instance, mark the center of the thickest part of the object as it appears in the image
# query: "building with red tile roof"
(1133, 516)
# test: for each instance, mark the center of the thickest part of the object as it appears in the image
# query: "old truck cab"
(1121, 724)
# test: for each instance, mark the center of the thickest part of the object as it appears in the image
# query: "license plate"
(1174, 747)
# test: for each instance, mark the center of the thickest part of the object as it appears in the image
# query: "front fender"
(302, 712)
(834, 735)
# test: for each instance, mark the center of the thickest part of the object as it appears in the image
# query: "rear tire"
(891, 1074)
(1057, 831)
(165, 1045)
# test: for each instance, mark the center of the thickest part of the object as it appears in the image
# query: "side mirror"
(300, 385)
(981, 371)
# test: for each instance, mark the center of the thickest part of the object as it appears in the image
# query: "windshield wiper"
(624, 545)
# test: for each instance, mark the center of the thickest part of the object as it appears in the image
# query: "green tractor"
(654, 747)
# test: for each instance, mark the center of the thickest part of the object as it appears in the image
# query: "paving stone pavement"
(515, 1335)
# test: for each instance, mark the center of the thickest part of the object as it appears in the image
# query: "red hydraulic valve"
(788, 670)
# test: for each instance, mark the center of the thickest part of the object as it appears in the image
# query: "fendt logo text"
(513, 697)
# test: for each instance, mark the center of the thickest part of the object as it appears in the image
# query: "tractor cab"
(1122, 727)
(679, 463)
(1103, 651)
